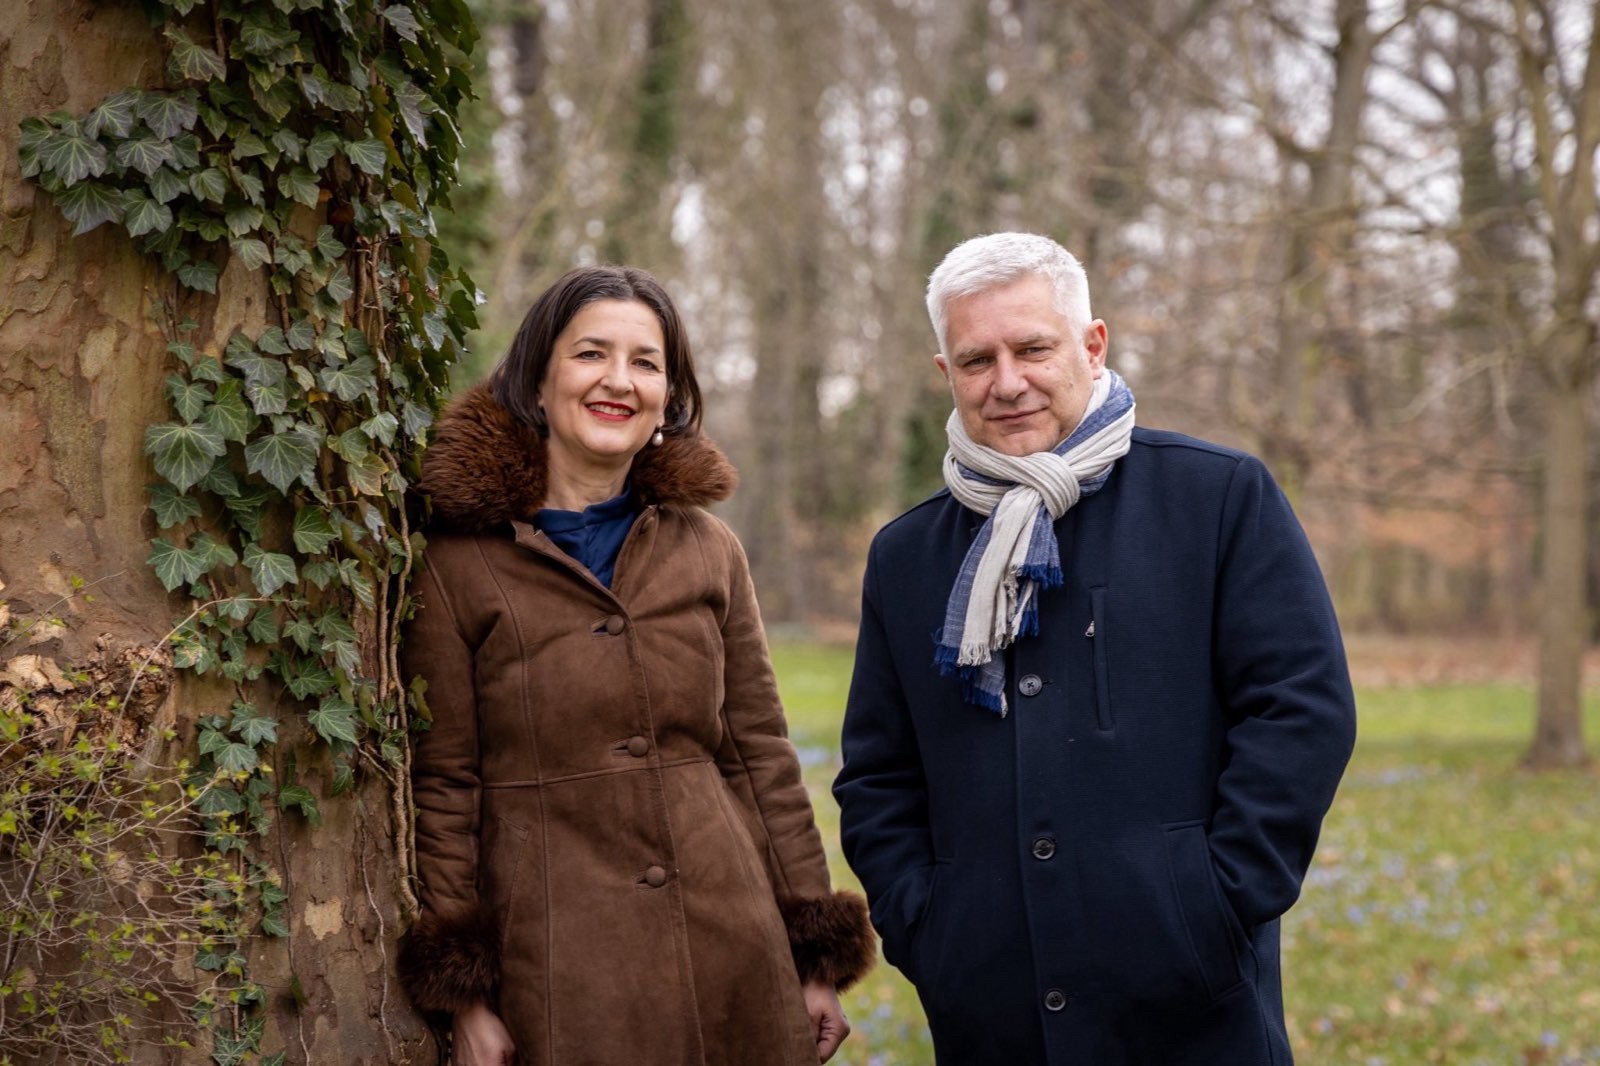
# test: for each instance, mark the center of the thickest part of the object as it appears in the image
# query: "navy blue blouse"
(594, 535)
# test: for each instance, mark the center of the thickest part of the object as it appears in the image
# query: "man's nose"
(1009, 382)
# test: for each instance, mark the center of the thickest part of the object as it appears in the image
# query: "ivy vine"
(311, 141)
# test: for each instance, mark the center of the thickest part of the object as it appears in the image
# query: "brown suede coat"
(614, 843)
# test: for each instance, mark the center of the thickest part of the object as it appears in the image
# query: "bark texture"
(82, 365)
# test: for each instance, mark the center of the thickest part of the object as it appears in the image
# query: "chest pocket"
(1098, 634)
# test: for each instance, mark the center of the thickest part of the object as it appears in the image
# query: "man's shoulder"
(913, 523)
(1163, 454)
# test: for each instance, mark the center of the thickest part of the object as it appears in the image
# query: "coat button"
(1029, 685)
(1055, 1000)
(614, 624)
(656, 876)
(1044, 848)
(638, 747)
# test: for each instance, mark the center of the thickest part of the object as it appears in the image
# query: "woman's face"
(605, 389)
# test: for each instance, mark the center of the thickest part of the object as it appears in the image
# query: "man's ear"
(1094, 345)
(943, 364)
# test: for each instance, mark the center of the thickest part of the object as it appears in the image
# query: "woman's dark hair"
(515, 381)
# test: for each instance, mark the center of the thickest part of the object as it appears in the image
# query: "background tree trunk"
(82, 363)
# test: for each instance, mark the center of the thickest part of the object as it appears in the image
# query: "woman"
(617, 856)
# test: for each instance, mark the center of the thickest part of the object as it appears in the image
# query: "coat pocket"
(1098, 636)
(1214, 933)
(505, 848)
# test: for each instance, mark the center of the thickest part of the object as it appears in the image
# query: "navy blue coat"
(1096, 878)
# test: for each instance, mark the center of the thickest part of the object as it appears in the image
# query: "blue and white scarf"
(1015, 555)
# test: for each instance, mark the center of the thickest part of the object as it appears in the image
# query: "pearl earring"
(658, 438)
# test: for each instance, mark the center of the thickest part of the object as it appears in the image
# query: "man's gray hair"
(983, 264)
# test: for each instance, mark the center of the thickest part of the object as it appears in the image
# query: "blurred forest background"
(1356, 238)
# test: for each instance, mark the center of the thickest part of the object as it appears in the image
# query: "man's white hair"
(985, 263)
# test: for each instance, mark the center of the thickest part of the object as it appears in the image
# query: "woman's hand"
(828, 1023)
(479, 1038)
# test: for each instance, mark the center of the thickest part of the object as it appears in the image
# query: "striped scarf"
(1015, 555)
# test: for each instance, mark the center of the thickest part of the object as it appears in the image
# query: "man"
(1081, 805)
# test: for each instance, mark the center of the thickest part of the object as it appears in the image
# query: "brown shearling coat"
(613, 841)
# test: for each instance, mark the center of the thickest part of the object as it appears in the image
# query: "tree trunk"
(82, 363)
(1563, 625)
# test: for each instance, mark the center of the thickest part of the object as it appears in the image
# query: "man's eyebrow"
(1033, 338)
(967, 353)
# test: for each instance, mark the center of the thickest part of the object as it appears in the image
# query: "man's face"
(1020, 376)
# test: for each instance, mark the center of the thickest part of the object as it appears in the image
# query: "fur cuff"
(831, 937)
(450, 963)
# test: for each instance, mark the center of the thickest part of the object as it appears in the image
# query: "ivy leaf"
(142, 215)
(351, 380)
(268, 397)
(186, 152)
(312, 531)
(229, 415)
(144, 154)
(247, 146)
(201, 277)
(272, 341)
(282, 458)
(34, 132)
(299, 798)
(381, 427)
(366, 476)
(174, 566)
(183, 454)
(206, 368)
(415, 419)
(263, 628)
(321, 149)
(190, 398)
(209, 184)
(343, 97)
(72, 157)
(169, 114)
(236, 608)
(191, 62)
(411, 101)
(220, 481)
(166, 185)
(269, 571)
(335, 719)
(214, 553)
(309, 677)
(252, 251)
(345, 654)
(351, 445)
(290, 143)
(246, 508)
(302, 334)
(368, 155)
(252, 187)
(261, 37)
(171, 506)
(114, 115)
(331, 247)
(89, 204)
(319, 574)
(300, 184)
(340, 287)
(243, 218)
(313, 87)
(251, 363)
(403, 21)
(237, 759)
(252, 727)
(301, 631)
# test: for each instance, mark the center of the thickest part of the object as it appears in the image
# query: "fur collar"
(485, 468)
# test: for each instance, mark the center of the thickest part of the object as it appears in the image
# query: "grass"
(1452, 915)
